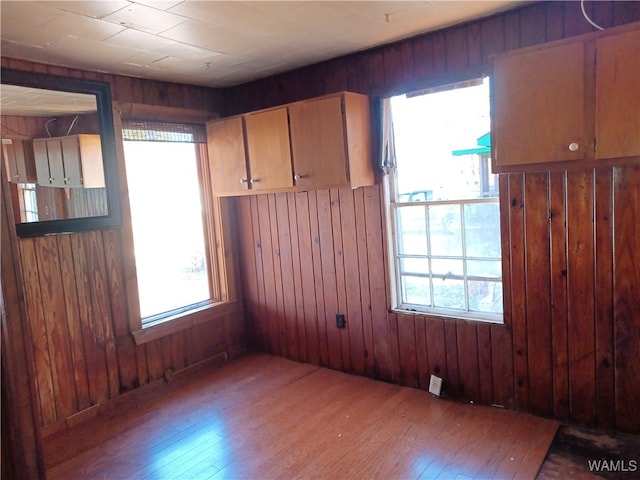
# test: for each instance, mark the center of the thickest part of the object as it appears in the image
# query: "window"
(444, 216)
(176, 267)
(28, 202)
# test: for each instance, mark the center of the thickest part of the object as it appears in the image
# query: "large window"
(443, 204)
(171, 245)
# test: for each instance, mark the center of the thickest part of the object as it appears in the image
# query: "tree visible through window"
(444, 206)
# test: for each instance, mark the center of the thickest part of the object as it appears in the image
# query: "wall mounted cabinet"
(19, 160)
(312, 144)
(331, 142)
(268, 150)
(73, 161)
(250, 153)
(571, 101)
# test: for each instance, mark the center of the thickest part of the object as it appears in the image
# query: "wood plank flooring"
(266, 417)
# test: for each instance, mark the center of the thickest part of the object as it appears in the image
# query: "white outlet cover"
(435, 385)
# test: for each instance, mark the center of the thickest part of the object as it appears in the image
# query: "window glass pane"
(414, 265)
(485, 296)
(446, 267)
(448, 293)
(484, 268)
(415, 290)
(442, 143)
(482, 229)
(168, 235)
(445, 231)
(412, 228)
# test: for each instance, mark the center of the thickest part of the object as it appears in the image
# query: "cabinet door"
(268, 149)
(72, 162)
(11, 160)
(227, 159)
(24, 161)
(318, 143)
(538, 107)
(19, 158)
(618, 95)
(56, 163)
(43, 177)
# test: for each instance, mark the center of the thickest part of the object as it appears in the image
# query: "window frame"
(218, 230)
(391, 199)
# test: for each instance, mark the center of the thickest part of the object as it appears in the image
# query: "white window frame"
(392, 205)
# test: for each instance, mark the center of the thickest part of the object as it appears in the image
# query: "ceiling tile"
(144, 18)
(211, 12)
(83, 52)
(83, 27)
(191, 32)
(188, 52)
(93, 9)
(29, 13)
(159, 4)
(141, 40)
(27, 34)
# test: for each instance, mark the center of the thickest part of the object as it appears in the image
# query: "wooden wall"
(76, 301)
(569, 346)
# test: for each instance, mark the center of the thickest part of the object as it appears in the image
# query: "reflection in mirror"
(58, 150)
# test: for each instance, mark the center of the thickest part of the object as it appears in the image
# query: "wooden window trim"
(218, 229)
(184, 321)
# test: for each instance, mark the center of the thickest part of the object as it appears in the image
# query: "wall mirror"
(58, 146)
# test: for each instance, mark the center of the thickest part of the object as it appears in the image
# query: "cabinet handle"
(299, 177)
(254, 180)
(51, 179)
(574, 147)
(244, 180)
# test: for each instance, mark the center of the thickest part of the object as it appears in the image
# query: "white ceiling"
(215, 43)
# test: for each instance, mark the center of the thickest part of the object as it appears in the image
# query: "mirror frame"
(102, 92)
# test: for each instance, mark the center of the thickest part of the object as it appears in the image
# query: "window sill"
(184, 321)
(490, 319)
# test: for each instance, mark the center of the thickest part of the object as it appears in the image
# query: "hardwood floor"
(267, 417)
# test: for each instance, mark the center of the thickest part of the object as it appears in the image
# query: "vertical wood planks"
(559, 311)
(517, 281)
(604, 285)
(305, 247)
(538, 293)
(626, 304)
(580, 295)
(353, 296)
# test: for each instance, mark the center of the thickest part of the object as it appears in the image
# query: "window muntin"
(171, 248)
(443, 205)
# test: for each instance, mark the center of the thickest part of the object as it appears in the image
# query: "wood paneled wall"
(569, 346)
(76, 300)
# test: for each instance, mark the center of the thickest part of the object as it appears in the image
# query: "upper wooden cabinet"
(227, 156)
(319, 143)
(331, 142)
(618, 95)
(19, 161)
(267, 135)
(576, 100)
(74, 161)
(250, 153)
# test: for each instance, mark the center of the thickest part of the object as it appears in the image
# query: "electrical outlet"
(435, 385)
(341, 322)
